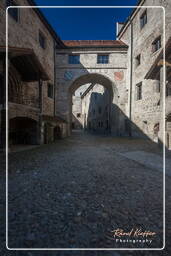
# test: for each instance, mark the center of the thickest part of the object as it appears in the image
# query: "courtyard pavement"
(75, 192)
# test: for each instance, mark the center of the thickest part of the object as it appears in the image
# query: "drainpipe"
(131, 82)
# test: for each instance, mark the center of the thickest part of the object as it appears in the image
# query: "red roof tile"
(92, 43)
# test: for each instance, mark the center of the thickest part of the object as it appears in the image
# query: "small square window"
(138, 60)
(42, 40)
(139, 91)
(102, 59)
(143, 19)
(13, 12)
(78, 115)
(156, 45)
(50, 91)
(74, 59)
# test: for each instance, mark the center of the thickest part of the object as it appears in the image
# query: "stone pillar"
(3, 108)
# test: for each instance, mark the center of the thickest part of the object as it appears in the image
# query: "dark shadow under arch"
(23, 130)
(92, 78)
(96, 79)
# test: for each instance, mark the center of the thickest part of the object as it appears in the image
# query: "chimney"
(119, 26)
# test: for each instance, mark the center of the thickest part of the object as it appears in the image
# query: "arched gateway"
(98, 64)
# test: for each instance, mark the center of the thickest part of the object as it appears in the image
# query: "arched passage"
(93, 79)
(23, 130)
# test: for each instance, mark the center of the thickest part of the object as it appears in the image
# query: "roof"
(47, 25)
(95, 43)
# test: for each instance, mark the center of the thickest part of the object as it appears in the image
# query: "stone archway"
(94, 78)
(23, 130)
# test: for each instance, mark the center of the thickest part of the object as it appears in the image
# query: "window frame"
(50, 90)
(156, 44)
(100, 58)
(42, 36)
(143, 19)
(138, 60)
(139, 91)
(168, 89)
(71, 59)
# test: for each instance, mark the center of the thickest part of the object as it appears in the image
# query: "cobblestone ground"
(73, 193)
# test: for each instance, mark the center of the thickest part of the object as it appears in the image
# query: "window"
(143, 19)
(13, 12)
(139, 91)
(74, 59)
(100, 110)
(102, 59)
(168, 89)
(42, 40)
(138, 60)
(78, 115)
(156, 45)
(50, 90)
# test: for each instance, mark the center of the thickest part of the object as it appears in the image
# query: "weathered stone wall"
(148, 111)
(77, 107)
(95, 109)
(115, 71)
(25, 34)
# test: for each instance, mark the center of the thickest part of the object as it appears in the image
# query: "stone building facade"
(45, 72)
(134, 72)
(95, 109)
(77, 108)
(78, 65)
(31, 78)
(144, 34)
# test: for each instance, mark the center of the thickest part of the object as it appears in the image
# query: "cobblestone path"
(73, 193)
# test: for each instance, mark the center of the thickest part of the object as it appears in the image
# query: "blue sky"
(86, 24)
